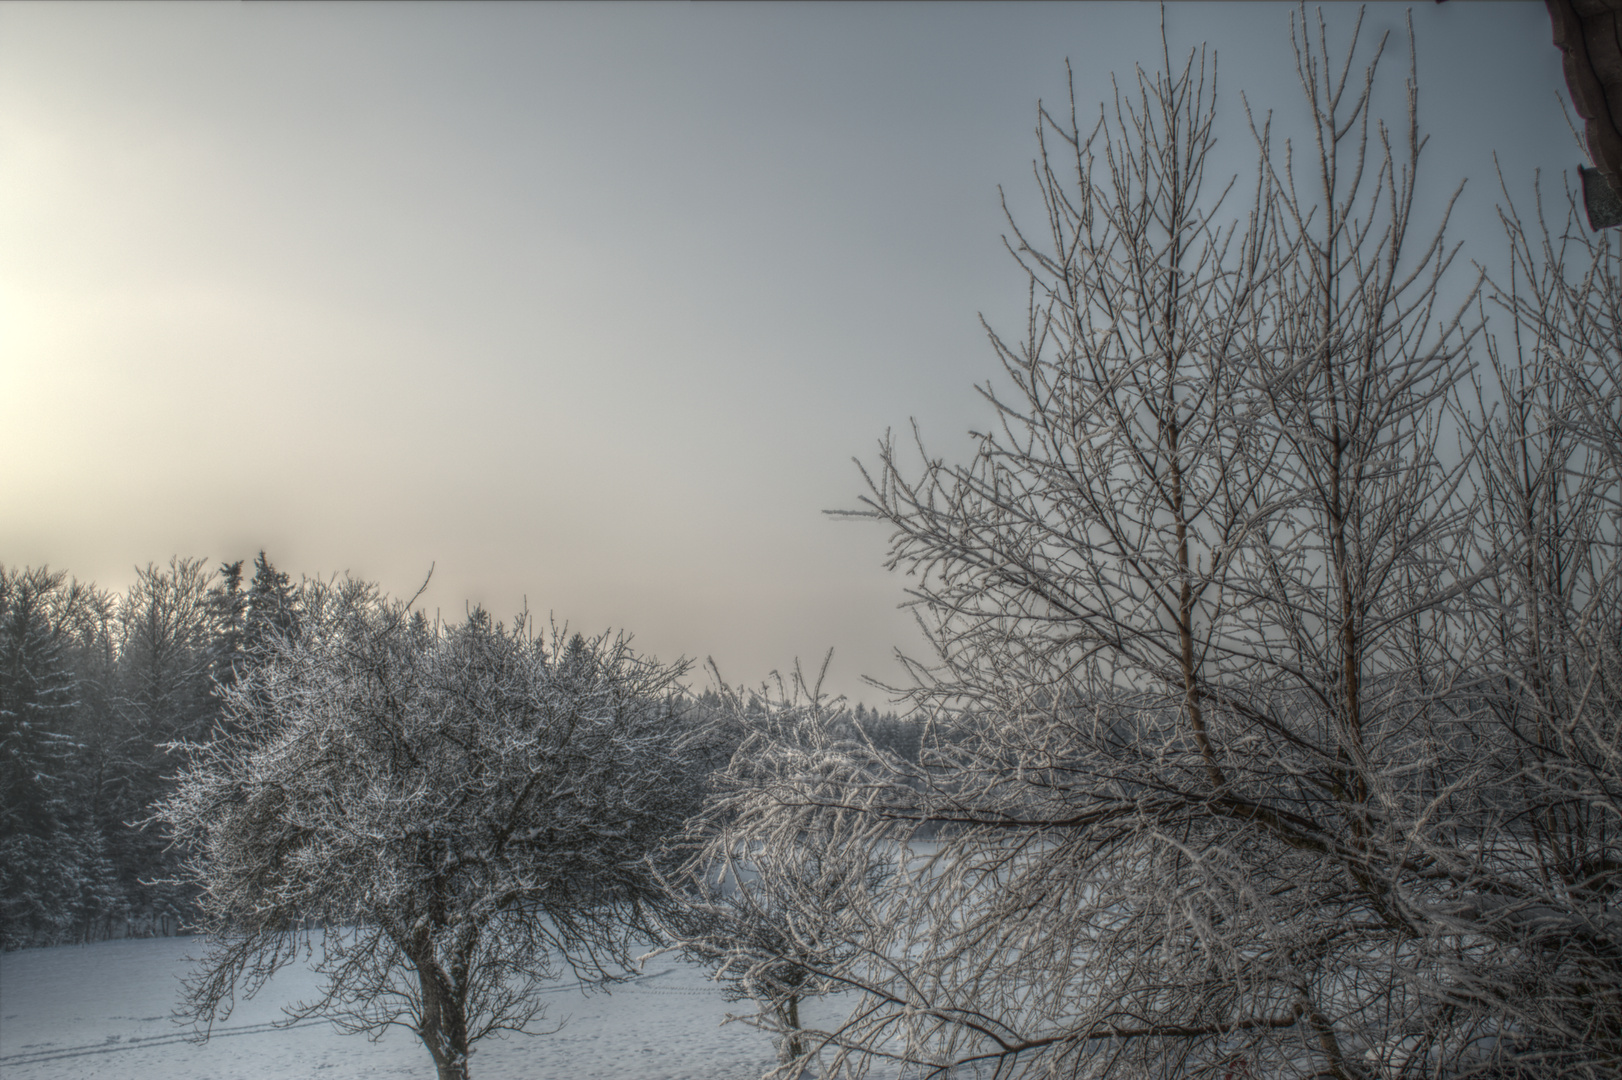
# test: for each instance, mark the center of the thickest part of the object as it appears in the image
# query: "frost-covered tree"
(1271, 721)
(271, 606)
(772, 918)
(448, 817)
(100, 901)
(1547, 898)
(167, 625)
(167, 632)
(38, 862)
(228, 604)
(758, 918)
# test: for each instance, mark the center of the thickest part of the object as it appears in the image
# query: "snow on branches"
(1273, 704)
(466, 813)
(779, 918)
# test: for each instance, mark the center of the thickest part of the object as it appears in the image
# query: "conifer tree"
(272, 607)
(165, 625)
(36, 701)
(228, 604)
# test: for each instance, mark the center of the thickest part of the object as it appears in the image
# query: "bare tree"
(1240, 762)
(1548, 940)
(446, 818)
(772, 919)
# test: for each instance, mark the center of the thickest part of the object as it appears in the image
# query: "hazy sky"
(588, 304)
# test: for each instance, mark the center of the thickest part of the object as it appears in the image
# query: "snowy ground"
(103, 1011)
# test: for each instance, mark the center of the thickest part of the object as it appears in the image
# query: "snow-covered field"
(104, 1011)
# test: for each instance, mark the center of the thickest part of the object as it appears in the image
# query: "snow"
(103, 1011)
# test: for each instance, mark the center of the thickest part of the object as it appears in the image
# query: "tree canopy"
(450, 816)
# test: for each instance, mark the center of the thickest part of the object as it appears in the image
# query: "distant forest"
(96, 688)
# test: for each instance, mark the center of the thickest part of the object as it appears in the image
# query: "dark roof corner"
(1589, 36)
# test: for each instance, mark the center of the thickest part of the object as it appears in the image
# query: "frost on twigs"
(1275, 689)
(446, 817)
(780, 917)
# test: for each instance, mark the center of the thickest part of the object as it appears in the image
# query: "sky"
(588, 308)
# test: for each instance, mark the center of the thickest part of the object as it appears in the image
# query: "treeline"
(740, 710)
(93, 687)
(96, 687)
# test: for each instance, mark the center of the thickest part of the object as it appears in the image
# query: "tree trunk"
(444, 1025)
(793, 1043)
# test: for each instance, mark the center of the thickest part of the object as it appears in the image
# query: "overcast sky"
(587, 304)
